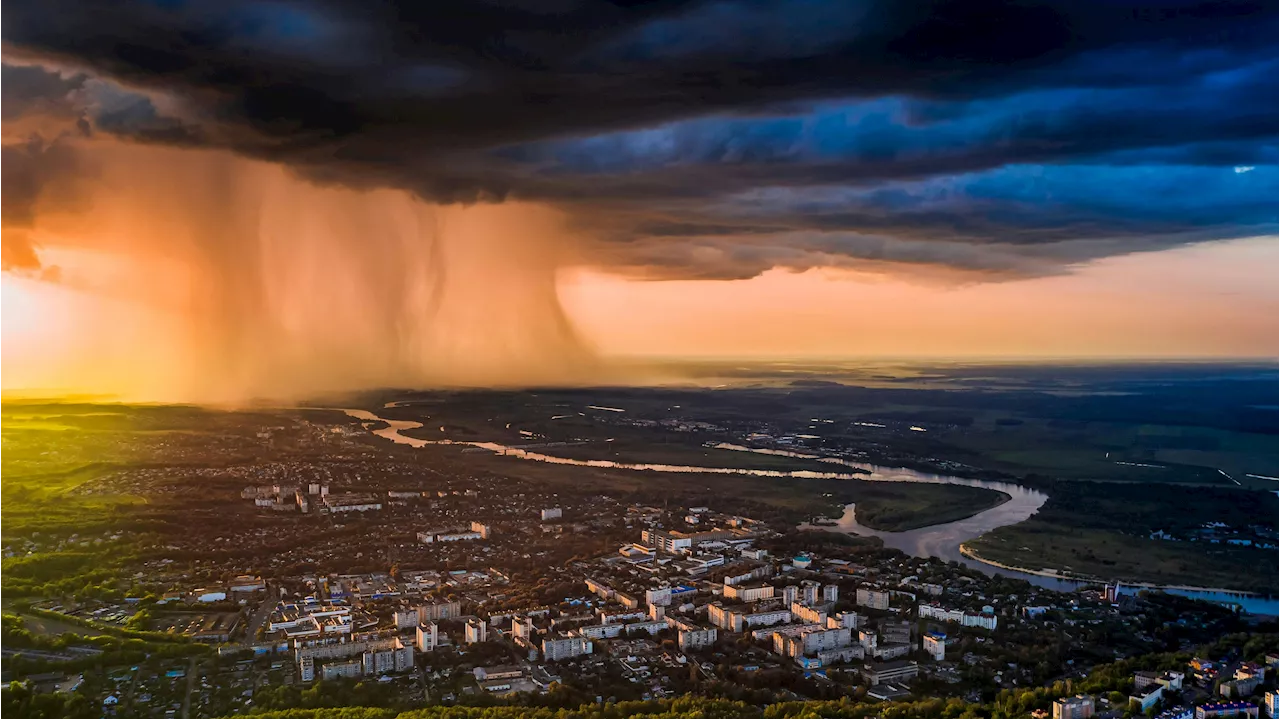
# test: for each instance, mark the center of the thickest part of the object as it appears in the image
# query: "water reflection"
(939, 540)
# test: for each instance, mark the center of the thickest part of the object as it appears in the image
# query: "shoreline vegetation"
(971, 553)
(883, 521)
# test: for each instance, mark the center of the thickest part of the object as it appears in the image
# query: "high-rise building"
(476, 631)
(555, 649)
(831, 593)
(522, 627)
(364, 657)
(428, 637)
(935, 644)
(692, 638)
(873, 598)
(439, 610)
(789, 594)
(810, 589)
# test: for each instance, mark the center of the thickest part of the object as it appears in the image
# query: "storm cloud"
(705, 139)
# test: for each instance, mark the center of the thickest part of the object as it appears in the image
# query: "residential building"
(1227, 710)
(691, 638)
(600, 589)
(439, 610)
(809, 589)
(848, 620)
(748, 592)
(476, 631)
(555, 649)
(809, 614)
(351, 502)
(1147, 697)
(895, 632)
(935, 645)
(868, 639)
(1246, 680)
(428, 637)
(660, 596)
(1079, 706)
(601, 631)
(986, 620)
(1272, 704)
(831, 593)
(737, 619)
(550, 513)
(521, 627)
(873, 598)
(406, 618)
(1169, 680)
(372, 656)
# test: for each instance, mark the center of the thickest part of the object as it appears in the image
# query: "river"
(940, 540)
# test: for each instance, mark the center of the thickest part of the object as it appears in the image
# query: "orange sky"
(1215, 300)
(216, 278)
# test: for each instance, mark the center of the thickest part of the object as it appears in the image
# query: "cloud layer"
(699, 139)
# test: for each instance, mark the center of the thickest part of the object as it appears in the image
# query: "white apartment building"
(601, 631)
(808, 614)
(660, 596)
(873, 598)
(555, 649)
(522, 627)
(809, 588)
(736, 620)
(428, 637)
(373, 656)
(966, 619)
(935, 645)
(694, 638)
(848, 620)
(476, 631)
(748, 592)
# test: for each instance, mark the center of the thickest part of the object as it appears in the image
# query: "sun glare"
(19, 310)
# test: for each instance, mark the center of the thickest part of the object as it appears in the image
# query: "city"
(672, 359)
(347, 572)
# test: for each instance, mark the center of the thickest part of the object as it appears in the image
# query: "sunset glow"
(166, 236)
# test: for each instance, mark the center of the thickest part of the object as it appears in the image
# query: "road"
(258, 618)
(192, 670)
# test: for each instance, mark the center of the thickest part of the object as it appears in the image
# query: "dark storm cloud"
(29, 169)
(30, 90)
(715, 138)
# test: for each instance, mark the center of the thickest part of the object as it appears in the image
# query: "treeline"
(1113, 680)
(20, 701)
(148, 636)
(84, 574)
(115, 650)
